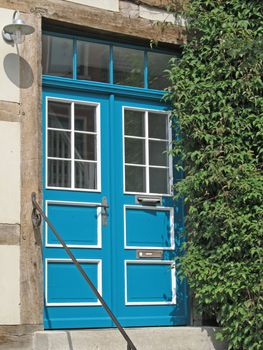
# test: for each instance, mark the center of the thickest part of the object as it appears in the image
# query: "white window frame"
(72, 131)
(147, 139)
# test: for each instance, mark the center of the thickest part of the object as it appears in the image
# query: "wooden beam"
(98, 19)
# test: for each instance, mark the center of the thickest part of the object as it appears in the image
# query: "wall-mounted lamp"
(15, 33)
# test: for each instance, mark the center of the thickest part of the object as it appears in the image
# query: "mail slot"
(149, 254)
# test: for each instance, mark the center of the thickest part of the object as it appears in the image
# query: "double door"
(108, 181)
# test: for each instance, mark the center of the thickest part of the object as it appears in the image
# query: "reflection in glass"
(134, 151)
(134, 123)
(157, 64)
(128, 66)
(158, 153)
(85, 146)
(93, 61)
(159, 180)
(85, 175)
(59, 173)
(135, 179)
(57, 56)
(158, 125)
(58, 144)
(59, 115)
(85, 117)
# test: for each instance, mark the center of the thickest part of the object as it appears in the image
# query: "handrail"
(37, 213)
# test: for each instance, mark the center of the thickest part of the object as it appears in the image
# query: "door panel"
(97, 147)
(146, 219)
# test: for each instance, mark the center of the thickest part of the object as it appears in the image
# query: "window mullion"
(145, 70)
(147, 153)
(74, 59)
(72, 146)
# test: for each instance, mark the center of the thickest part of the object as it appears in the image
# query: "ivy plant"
(216, 95)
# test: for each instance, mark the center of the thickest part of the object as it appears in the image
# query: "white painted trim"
(156, 262)
(172, 238)
(84, 204)
(147, 139)
(72, 160)
(99, 278)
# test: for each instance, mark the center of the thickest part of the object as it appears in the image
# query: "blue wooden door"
(108, 149)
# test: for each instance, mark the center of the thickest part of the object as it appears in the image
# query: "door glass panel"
(57, 56)
(134, 123)
(134, 151)
(85, 175)
(59, 114)
(128, 66)
(157, 64)
(135, 178)
(158, 126)
(58, 144)
(158, 153)
(59, 173)
(93, 61)
(85, 117)
(158, 180)
(85, 146)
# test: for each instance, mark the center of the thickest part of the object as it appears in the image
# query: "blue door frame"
(137, 290)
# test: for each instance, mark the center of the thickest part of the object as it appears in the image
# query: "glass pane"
(158, 125)
(157, 64)
(59, 173)
(57, 56)
(93, 61)
(85, 118)
(85, 146)
(58, 144)
(158, 153)
(134, 123)
(134, 151)
(59, 115)
(135, 179)
(85, 175)
(159, 180)
(128, 66)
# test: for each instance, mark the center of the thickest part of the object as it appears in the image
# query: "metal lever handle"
(104, 214)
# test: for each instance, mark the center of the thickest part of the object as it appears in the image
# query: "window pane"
(158, 153)
(85, 175)
(157, 63)
(57, 56)
(93, 61)
(128, 66)
(59, 173)
(135, 179)
(158, 125)
(134, 151)
(158, 180)
(59, 115)
(85, 146)
(134, 123)
(85, 118)
(58, 144)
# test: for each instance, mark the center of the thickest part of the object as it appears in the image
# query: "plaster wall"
(9, 285)
(111, 5)
(9, 63)
(10, 172)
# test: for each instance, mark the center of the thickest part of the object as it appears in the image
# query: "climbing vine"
(217, 98)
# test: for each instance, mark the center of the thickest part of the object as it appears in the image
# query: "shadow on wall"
(18, 71)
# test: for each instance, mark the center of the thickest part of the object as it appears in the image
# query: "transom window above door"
(147, 140)
(97, 61)
(73, 151)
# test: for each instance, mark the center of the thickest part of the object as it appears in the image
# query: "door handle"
(104, 214)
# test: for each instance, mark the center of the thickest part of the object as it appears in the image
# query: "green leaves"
(216, 93)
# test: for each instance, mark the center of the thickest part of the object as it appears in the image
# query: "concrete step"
(148, 338)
